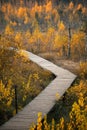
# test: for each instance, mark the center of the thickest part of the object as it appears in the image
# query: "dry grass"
(18, 68)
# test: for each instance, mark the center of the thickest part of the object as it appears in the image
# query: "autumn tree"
(6, 99)
(38, 38)
(50, 38)
(71, 6)
(70, 15)
(60, 44)
(78, 45)
(55, 17)
(84, 27)
(19, 40)
(61, 38)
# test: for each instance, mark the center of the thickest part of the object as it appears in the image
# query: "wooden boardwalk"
(45, 100)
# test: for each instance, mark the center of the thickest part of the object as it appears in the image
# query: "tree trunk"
(69, 42)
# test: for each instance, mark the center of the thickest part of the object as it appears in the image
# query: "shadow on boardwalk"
(45, 100)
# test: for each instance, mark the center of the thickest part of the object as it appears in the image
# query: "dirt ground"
(63, 62)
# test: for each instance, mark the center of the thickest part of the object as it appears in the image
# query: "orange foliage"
(71, 5)
(21, 12)
(48, 7)
(4, 8)
(79, 6)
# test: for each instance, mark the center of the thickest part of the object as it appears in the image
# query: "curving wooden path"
(45, 100)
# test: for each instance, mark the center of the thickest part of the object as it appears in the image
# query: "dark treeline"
(55, 2)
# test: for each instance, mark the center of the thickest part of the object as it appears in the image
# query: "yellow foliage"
(77, 120)
(9, 30)
(23, 54)
(60, 40)
(83, 69)
(39, 123)
(77, 116)
(78, 44)
(46, 125)
(53, 124)
(6, 94)
(26, 21)
(27, 34)
(36, 76)
(19, 40)
(61, 124)
(61, 26)
(57, 96)
(31, 40)
(51, 31)
(78, 37)
(81, 100)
